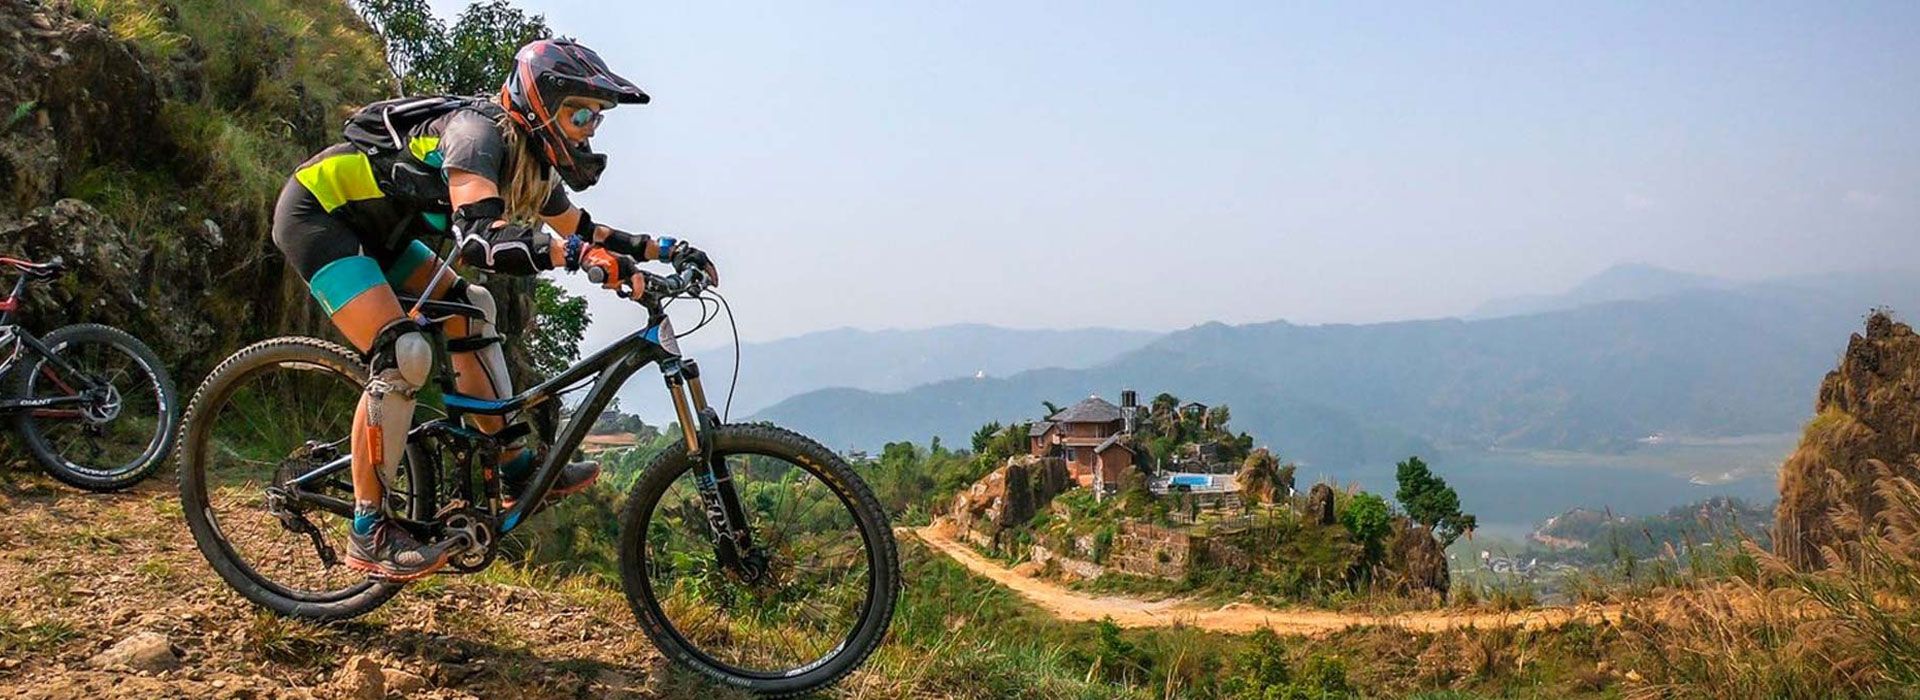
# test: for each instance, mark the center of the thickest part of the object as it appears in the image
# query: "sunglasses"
(585, 116)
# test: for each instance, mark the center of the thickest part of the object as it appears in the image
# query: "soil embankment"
(1236, 617)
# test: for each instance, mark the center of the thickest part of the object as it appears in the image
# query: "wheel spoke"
(806, 601)
(256, 438)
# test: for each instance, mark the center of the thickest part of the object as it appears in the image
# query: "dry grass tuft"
(1848, 629)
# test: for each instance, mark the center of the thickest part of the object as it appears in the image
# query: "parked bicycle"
(91, 404)
(747, 552)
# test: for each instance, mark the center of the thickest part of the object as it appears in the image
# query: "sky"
(1160, 165)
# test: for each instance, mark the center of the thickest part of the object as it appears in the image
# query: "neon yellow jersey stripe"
(423, 146)
(339, 179)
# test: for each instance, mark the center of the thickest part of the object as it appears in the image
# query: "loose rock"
(146, 651)
(403, 682)
(361, 678)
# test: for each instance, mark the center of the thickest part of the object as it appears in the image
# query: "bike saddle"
(50, 268)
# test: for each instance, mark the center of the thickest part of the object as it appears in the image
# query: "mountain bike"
(91, 404)
(748, 553)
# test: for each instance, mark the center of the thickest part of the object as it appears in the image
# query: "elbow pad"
(512, 249)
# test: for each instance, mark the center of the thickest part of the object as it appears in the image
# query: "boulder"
(1320, 504)
(1416, 562)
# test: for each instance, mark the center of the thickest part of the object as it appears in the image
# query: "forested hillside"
(1701, 362)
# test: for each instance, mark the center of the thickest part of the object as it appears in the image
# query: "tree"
(983, 437)
(1000, 445)
(481, 46)
(469, 58)
(1216, 419)
(1368, 518)
(410, 31)
(1051, 408)
(561, 321)
(1429, 501)
(1164, 404)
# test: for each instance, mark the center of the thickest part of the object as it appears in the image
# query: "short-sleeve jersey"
(392, 199)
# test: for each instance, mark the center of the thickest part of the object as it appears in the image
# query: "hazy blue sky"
(900, 164)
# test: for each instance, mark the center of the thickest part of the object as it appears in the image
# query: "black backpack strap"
(383, 126)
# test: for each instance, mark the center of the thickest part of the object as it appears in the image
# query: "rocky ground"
(106, 596)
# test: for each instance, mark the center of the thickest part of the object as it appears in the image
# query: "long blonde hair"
(527, 183)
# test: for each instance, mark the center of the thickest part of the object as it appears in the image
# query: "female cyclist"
(351, 220)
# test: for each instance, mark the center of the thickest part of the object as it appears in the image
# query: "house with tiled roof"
(1094, 438)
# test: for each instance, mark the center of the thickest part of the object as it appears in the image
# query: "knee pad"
(402, 352)
(401, 362)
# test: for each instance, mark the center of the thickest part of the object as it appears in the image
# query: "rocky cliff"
(145, 144)
(1867, 422)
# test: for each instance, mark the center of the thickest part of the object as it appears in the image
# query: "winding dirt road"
(1073, 605)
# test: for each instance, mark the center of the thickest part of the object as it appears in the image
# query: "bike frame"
(11, 332)
(609, 369)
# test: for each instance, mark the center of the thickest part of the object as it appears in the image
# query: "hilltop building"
(1094, 438)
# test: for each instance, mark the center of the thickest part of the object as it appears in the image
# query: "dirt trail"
(1236, 617)
(84, 572)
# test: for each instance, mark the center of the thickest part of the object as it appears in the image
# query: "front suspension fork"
(732, 533)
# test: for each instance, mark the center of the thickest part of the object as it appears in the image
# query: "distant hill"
(1704, 361)
(885, 360)
(1626, 282)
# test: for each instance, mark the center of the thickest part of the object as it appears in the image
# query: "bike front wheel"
(117, 413)
(827, 570)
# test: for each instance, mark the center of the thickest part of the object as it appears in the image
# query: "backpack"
(381, 128)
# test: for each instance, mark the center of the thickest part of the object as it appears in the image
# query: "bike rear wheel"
(832, 567)
(123, 429)
(273, 411)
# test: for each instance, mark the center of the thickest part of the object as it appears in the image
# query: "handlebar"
(687, 282)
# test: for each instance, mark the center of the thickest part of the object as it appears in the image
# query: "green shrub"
(1368, 518)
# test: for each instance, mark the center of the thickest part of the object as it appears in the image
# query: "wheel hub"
(103, 404)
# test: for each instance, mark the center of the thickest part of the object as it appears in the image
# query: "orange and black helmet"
(545, 73)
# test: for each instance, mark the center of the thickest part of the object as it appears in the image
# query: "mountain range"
(1633, 353)
(1627, 282)
(883, 361)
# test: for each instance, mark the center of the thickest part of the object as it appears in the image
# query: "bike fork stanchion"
(733, 539)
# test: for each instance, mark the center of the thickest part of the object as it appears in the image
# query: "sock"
(518, 468)
(365, 516)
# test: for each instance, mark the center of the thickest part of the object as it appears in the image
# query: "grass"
(20, 113)
(98, 538)
(1850, 629)
(56, 586)
(33, 637)
(272, 638)
(155, 571)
